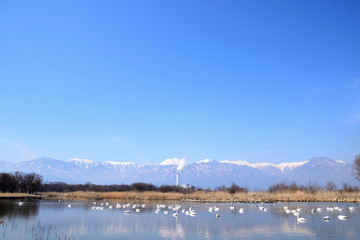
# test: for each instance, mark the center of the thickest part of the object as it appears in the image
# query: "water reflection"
(12, 209)
(82, 222)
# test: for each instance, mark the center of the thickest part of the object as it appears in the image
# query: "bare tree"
(235, 188)
(19, 176)
(330, 186)
(7, 182)
(356, 167)
(33, 182)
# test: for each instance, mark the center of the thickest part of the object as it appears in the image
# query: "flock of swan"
(296, 213)
(128, 208)
(176, 209)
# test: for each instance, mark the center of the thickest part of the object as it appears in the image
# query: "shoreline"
(20, 196)
(200, 196)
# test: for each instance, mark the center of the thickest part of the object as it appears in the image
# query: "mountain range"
(205, 173)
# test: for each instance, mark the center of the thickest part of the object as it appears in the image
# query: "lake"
(101, 220)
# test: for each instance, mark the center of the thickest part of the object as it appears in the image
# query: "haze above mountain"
(205, 173)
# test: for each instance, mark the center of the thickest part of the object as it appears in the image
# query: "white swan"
(300, 219)
(343, 217)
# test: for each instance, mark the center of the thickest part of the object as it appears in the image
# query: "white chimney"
(177, 179)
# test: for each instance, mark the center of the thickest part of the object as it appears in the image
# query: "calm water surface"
(56, 220)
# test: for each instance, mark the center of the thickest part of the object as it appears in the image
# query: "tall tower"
(177, 179)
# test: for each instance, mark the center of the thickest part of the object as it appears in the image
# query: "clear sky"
(143, 81)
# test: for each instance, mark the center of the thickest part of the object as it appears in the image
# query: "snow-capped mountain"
(205, 173)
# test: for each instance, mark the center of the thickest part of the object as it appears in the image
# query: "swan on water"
(300, 219)
(343, 217)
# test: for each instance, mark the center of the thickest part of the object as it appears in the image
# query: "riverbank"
(201, 196)
(21, 196)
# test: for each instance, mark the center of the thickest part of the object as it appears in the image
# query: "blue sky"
(143, 81)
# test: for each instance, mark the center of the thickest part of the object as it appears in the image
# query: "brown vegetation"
(19, 195)
(215, 196)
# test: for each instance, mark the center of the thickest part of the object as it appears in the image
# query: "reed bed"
(215, 196)
(18, 195)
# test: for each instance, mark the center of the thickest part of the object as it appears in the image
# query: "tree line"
(20, 182)
(138, 187)
(311, 187)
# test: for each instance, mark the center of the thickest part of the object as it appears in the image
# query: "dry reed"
(18, 195)
(215, 196)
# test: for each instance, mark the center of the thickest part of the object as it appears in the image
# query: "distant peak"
(289, 166)
(239, 163)
(44, 159)
(206, 161)
(321, 160)
(281, 166)
(172, 161)
(79, 160)
(119, 163)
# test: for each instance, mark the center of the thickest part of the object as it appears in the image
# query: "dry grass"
(218, 196)
(18, 195)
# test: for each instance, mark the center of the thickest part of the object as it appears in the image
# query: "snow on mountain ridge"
(172, 161)
(239, 163)
(83, 162)
(205, 161)
(120, 163)
(281, 166)
(291, 166)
